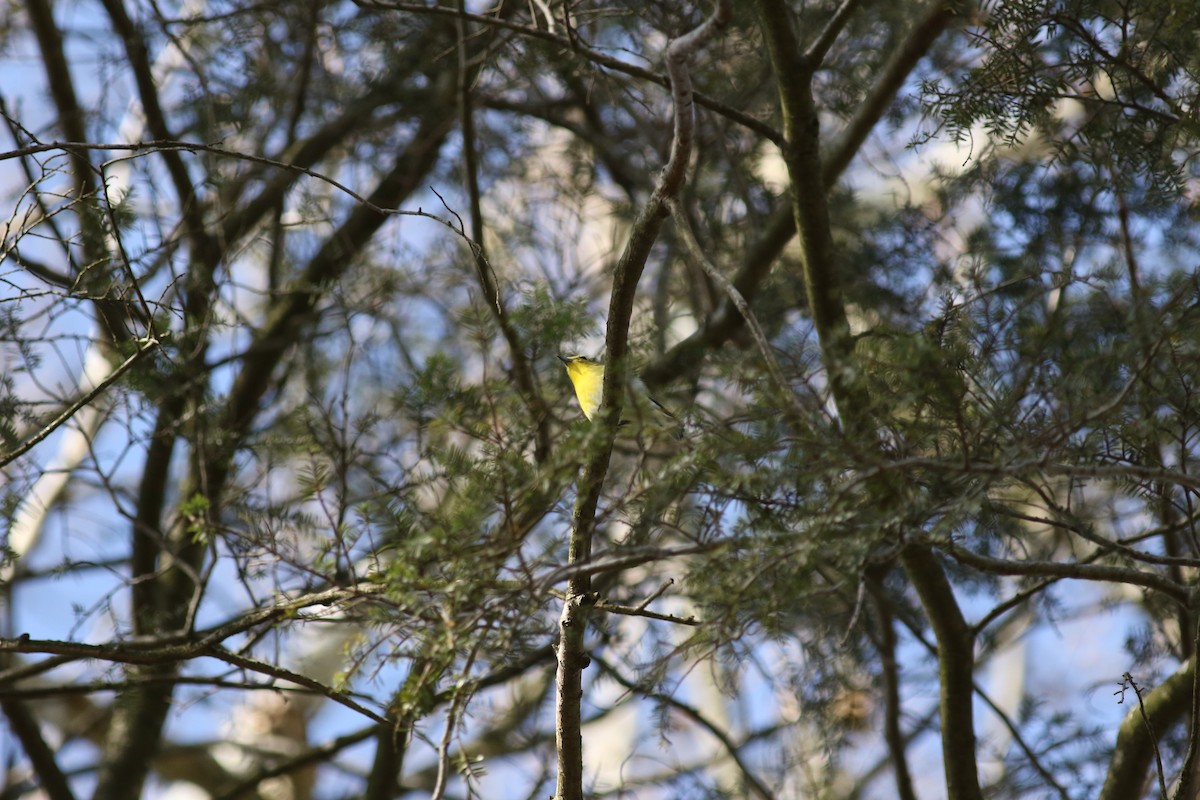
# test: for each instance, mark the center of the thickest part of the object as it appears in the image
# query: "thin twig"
(136, 149)
(1077, 570)
(571, 42)
(756, 785)
(625, 558)
(1137, 690)
(71, 410)
(696, 253)
(642, 606)
(632, 611)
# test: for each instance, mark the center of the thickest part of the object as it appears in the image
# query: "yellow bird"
(587, 376)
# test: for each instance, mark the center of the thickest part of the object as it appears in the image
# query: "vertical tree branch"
(572, 656)
(24, 726)
(98, 371)
(782, 225)
(522, 370)
(147, 537)
(801, 153)
(414, 700)
(62, 90)
(391, 744)
(794, 72)
(956, 670)
(71, 120)
(1186, 789)
(928, 29)
(299, 99)
(138, 54)
(893, 734)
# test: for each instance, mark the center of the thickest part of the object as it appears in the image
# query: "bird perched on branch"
(587, 377)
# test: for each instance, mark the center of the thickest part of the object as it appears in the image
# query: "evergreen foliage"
(279, 395)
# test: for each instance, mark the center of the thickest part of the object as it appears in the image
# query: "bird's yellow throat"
(587, 376)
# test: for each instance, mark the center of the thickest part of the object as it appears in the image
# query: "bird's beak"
(564, 359)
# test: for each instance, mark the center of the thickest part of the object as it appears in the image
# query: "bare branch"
(619, 559)
(62, 89)
(634, 611)
(572, 657)
(158, 145)
(138, 56)
(893, 733)
(781, 227)
(1130, 683)
(757, 787)
(1077, 570)
(935, 20)
(571, 43)
(25, 727)
(152, 654)
(688, 237)
(817, 51)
